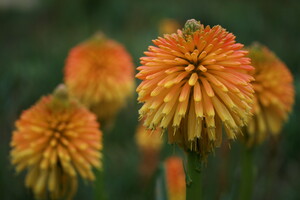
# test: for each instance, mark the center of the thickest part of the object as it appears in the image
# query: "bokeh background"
(35, 37)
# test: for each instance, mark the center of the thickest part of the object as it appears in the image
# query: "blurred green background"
(35, 37)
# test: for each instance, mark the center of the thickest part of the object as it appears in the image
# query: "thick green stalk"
(193, 177)
(246, 187)
(99, 186)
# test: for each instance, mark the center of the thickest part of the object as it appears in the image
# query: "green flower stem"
(100, 192)
(193, 177)
(99, 186)
(246, 187)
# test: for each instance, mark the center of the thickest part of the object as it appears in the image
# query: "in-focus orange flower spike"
(99, 72)
(274, 94)
(55, 140)
(175, 178)
(193, 81)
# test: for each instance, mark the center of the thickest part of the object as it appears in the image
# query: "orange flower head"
(55, 140)
(99, 72)
(175, 178)
(193, 81)
(274, 94)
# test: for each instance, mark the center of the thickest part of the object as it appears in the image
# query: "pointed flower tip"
(60, 98)
(98, 36)
(256, 45)
(191, 26)
(61, 92)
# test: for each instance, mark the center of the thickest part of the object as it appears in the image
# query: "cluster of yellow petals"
(274, 94)
(55, 141)
(175, 178)
(192, 84)
(99, 72)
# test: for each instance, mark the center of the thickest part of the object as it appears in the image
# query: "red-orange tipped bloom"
(55, 140)
(175, 178)
(99, 72)
(193, 81)
(274, 94)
